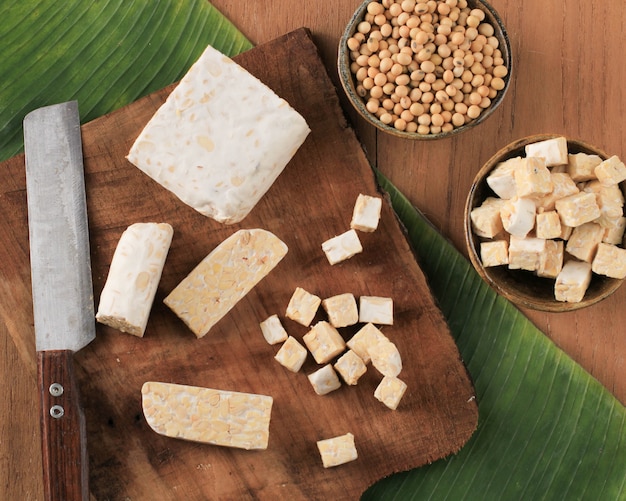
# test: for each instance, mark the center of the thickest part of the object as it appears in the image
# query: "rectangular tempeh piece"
(134, 276)
(220, 140)
(225, 276)
(206, 415)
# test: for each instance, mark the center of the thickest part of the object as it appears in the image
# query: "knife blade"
(62, 289)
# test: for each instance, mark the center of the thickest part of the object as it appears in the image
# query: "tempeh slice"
(225, 276)
(206, 415)
(134, 276)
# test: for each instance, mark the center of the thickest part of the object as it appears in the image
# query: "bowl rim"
(471, 240)
(347, 80)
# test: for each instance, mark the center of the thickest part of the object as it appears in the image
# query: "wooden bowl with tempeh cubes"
(544, 223)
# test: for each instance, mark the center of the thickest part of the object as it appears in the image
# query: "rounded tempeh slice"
(206, 415)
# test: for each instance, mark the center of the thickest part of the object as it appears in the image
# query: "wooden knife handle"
(64, 446)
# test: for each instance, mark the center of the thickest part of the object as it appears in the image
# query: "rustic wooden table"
(568, 79)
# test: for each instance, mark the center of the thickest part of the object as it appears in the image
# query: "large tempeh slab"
(220, 139)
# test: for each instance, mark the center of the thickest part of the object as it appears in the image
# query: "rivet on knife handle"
(65, 459)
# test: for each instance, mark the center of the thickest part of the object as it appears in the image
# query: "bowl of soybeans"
(425, 69)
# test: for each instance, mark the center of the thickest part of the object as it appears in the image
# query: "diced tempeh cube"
(573, 281)
(338, 450)
(366, 213)
(554, 150)
(518, 216)
(581, 166)
(566, 231)
(611, 171)
(525, 253)
(495, 253)
(532, 178)
(577, 209)
(134, 275)
(206, 415)
(502, 178)
(350, 367)
(562, 186)
(610, 260)
(486, 220)
(390, 391)
(224, 277)
(385, 357)
(324, 342)
(303, 306)
(615, 235)
(551, 260)
(291, 354)
(273, 330)
(341, 309)
(342, 247)
(376, 310)
(548, 225)
(324, 380)
(365, 337)
(610, 200)
(584, 240)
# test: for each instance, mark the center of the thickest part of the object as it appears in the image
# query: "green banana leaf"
(127, 49)
(547, 429)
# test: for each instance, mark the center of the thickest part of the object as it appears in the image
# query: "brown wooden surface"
(569, 79)
(311, 201)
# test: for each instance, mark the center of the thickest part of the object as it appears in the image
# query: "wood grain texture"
(310, 202)
(569, 79)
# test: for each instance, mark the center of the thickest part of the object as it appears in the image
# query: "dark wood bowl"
(522, 287)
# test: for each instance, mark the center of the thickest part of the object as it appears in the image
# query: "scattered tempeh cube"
(273, 330)
(324, 342)
(291, 354)
(342, 247)
(302, 306)
(390, 391)
(324, 380)
(366, 213)
(341, 310)
(376, 310)
(338, 450)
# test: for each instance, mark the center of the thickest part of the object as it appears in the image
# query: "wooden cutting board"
(310, 202)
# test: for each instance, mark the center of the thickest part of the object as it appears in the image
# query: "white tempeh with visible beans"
(134, 276)
(220, 140)
(225, 276)
(206, 415)
(337, 450)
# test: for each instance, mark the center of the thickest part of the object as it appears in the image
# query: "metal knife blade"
(62, 289)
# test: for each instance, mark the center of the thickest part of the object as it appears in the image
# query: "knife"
(62, 290)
